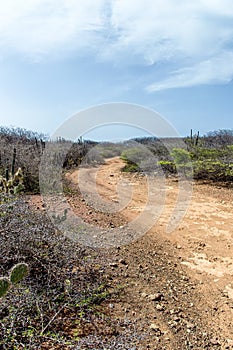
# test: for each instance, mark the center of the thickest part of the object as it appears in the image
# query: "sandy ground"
(201, 244)
(204, 236)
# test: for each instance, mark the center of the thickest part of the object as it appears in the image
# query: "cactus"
(19, 188)
(13, 184)
(18, 177)
(18, 272)
(4, 286)
(42, 145)
(7, 173)
(197, 138)
(58, 219)
(13, 163)
(11, 181)
(3, 183)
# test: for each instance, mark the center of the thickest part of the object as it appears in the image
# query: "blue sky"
(60, 57)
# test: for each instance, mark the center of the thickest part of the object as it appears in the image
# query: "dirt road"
(178, 287)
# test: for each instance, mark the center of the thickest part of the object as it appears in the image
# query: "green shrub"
(167, 166)
(181, 156)
(135, 155)
(131, 168)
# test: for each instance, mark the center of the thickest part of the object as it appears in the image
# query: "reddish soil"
(177, 287)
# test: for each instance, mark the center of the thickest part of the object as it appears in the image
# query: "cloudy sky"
(172, 56)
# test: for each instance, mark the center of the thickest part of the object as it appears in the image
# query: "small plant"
(18, 272)
(4, 286)
(58, 219)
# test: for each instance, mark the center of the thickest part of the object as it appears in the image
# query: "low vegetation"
(50, 287)
(203, 158)
(18, 272)
(23, 149)
(209, 157)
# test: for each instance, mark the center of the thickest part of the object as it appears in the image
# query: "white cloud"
(218, 7)
(194, 37)
(218, 70)
(44, 27)
(190, 35)
(168, 29)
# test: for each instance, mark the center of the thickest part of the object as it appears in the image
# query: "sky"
(58, 58)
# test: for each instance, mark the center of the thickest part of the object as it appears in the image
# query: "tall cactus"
(13, 163)
(7, 173)
(197, 138)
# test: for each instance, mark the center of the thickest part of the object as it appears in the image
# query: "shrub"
(181, 156)
(167, 166)
(135, 155)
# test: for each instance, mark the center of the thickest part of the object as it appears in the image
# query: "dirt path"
(178, 287)
(204, 237)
